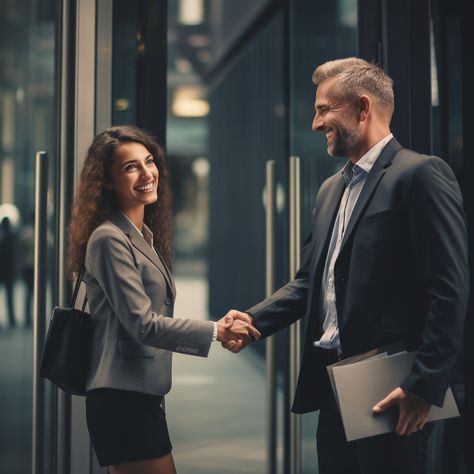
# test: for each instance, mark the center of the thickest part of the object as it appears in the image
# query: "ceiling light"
(183, 66)
(188, 101)
(191, 12)
(188, 108)
(121, 104)
(198, 41)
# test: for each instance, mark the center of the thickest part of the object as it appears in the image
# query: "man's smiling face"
(337, 119)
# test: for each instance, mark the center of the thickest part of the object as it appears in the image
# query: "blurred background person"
(8, 267)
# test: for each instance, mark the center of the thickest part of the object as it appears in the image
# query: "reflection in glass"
(125, 41)
(27, 65)
(233, 440)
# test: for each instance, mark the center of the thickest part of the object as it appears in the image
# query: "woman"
(120, 232)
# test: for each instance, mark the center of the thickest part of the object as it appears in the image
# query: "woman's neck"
(136, 215)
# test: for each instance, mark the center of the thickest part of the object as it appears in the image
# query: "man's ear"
(365, 105)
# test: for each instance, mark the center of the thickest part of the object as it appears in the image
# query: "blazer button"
(168, 301)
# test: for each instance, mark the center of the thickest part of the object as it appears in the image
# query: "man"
(386, 261)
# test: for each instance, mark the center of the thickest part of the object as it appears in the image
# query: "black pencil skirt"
(126, 426)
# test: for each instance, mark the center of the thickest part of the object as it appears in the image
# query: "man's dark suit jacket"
(401, 275)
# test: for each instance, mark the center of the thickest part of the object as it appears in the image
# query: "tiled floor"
(215, 410)
(216, 407)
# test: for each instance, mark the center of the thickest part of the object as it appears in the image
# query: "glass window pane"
(27, 81)
(319, 32)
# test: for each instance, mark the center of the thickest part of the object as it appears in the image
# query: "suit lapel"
(373, 179)
(170, 278)
(138, 241)
(144, 247)
(324, 221)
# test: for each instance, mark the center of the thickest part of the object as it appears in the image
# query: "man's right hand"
(240, 321)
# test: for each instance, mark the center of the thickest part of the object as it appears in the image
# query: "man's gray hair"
(357, 77)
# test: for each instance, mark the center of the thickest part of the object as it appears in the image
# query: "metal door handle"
(295, 342)
(269, 289)
(41, 198)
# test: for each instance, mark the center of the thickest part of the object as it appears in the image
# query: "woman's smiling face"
(134, 176)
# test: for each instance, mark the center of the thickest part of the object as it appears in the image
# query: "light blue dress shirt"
(355, 176)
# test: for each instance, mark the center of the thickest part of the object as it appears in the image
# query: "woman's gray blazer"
(131, 295)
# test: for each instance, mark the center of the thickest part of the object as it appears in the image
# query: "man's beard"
(344, 142)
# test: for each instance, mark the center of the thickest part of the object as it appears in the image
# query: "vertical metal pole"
(269, 289)
(295, 340)
(84, 131)
(65, 126)
(41, 196)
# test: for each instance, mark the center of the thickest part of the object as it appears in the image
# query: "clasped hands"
(235, 330)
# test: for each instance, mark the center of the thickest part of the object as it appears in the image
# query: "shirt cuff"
(214, 335)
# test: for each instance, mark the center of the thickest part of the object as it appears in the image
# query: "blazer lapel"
(140, 244)
(373, 179)
(324, 221)
(164, 267)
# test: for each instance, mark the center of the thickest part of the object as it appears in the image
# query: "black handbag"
(67, 350)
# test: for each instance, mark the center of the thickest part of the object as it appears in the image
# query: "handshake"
(235, 330)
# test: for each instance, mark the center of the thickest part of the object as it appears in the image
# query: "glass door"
(27, 124)
(225, 97)
(318, 32)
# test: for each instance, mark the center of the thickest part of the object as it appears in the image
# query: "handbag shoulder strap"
(76, 289)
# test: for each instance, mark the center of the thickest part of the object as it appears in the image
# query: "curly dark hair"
(94, 203)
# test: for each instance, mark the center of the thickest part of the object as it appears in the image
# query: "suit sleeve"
(286, 305)
(438, 232)
(111, 263)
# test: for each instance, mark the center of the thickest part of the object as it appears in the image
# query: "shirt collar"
(147, 234)
(366, 162)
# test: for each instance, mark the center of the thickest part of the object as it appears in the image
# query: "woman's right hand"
(236, 326)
